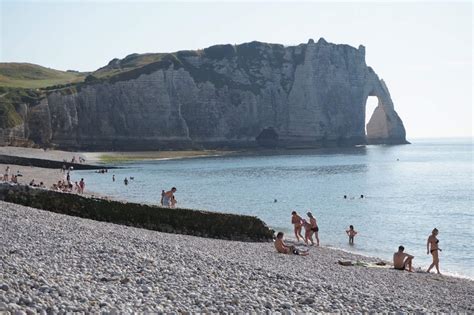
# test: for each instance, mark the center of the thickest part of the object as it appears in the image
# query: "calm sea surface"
(408, 189)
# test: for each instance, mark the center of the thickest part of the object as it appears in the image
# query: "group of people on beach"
(310, 226)
(10, 178)
(67, 186)
(401, 260)
(79, 160)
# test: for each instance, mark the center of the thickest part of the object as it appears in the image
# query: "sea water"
(408, 190)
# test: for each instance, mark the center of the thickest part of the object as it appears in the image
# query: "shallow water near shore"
(408, 190)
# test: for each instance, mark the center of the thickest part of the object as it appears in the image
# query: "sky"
(422, 50)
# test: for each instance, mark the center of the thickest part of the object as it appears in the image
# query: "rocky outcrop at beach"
(173, 220)
(312, 94)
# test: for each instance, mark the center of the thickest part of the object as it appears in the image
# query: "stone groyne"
(178, 221)
(27, 161)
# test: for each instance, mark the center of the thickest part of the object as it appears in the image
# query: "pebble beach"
(54, 263)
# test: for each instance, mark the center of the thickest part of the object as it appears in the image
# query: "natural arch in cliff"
(384, 125)
(370, 106)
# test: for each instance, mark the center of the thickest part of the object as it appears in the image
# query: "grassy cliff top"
(27, 75)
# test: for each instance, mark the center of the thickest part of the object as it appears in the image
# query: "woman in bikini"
(297, 221)
(432, 247)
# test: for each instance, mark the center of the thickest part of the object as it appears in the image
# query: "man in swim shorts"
(281, 247)
(402, 261)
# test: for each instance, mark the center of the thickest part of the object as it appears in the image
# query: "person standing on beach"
(432, 247)
(6, 174)
(82, 186)
(162, 196)
(313, 229)
(297, 221)
(168, 196)
(402, 261)
(113, 178)
(351, 233)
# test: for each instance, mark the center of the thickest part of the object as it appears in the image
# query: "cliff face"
(225, 96)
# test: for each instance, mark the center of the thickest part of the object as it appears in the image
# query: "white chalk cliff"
(251, 94)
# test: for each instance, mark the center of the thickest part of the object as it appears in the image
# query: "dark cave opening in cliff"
(370, 105)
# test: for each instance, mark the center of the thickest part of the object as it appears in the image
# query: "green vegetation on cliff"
(10, 100)
(27, 75)
(131, 62)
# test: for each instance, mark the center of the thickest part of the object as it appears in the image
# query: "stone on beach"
(54, 263)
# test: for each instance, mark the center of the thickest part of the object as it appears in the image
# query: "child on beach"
(281, 247)
(297, 221)
(173, 202)
(351, 233)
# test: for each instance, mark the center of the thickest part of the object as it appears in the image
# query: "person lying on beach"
(297, 221)
(402, 261)
(351, 233)
(432, 247)
(281, 247)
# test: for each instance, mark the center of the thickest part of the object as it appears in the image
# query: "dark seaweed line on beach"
(178, 221)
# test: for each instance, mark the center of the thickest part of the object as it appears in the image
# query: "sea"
(407, 191)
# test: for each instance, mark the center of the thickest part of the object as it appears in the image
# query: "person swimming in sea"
(351, 233)
(433, 248)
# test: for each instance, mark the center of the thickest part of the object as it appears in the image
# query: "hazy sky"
(423, 50)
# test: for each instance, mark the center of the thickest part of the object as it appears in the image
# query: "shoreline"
(61, 263)
(50, 176)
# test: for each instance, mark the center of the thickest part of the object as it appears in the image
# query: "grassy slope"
(130, 62)
(10, 98)
(21, 79)
(26, 75)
